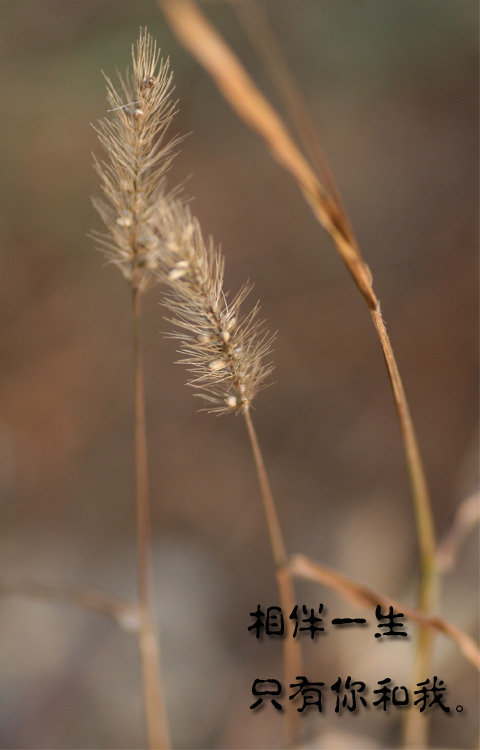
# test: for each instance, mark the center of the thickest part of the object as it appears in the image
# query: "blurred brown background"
(393, 90)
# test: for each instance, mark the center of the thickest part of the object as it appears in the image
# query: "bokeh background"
(393, 91)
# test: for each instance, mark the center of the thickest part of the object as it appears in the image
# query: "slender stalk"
(132, 176)
(155, 712)
(416, 725)
(203, 41)
(292, 656)
(225, 353)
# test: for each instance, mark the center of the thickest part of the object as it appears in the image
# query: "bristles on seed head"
(137, 159)
(224, 351)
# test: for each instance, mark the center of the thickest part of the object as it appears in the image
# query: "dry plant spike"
(137, 159)
(363, 596)
(224, 351)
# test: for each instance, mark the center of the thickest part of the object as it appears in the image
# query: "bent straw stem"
(415, 726)
(206, 45)
(156, 716)
(360, 595)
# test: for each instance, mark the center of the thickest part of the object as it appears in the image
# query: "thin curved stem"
(416, 726)
(203, 41)
(292, 656)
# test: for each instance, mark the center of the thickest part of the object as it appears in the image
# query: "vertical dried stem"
(206, 45)
(292, 657)
(132, 180)
(416, 725)
(156, 716)
(225, 353)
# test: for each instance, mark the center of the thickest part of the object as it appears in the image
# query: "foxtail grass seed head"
(152, 236)
(224, 351)
(137, 157)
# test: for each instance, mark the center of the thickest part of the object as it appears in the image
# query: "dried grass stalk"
(226, 354)
(363, 596)
(133, 184)
(206, 45)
